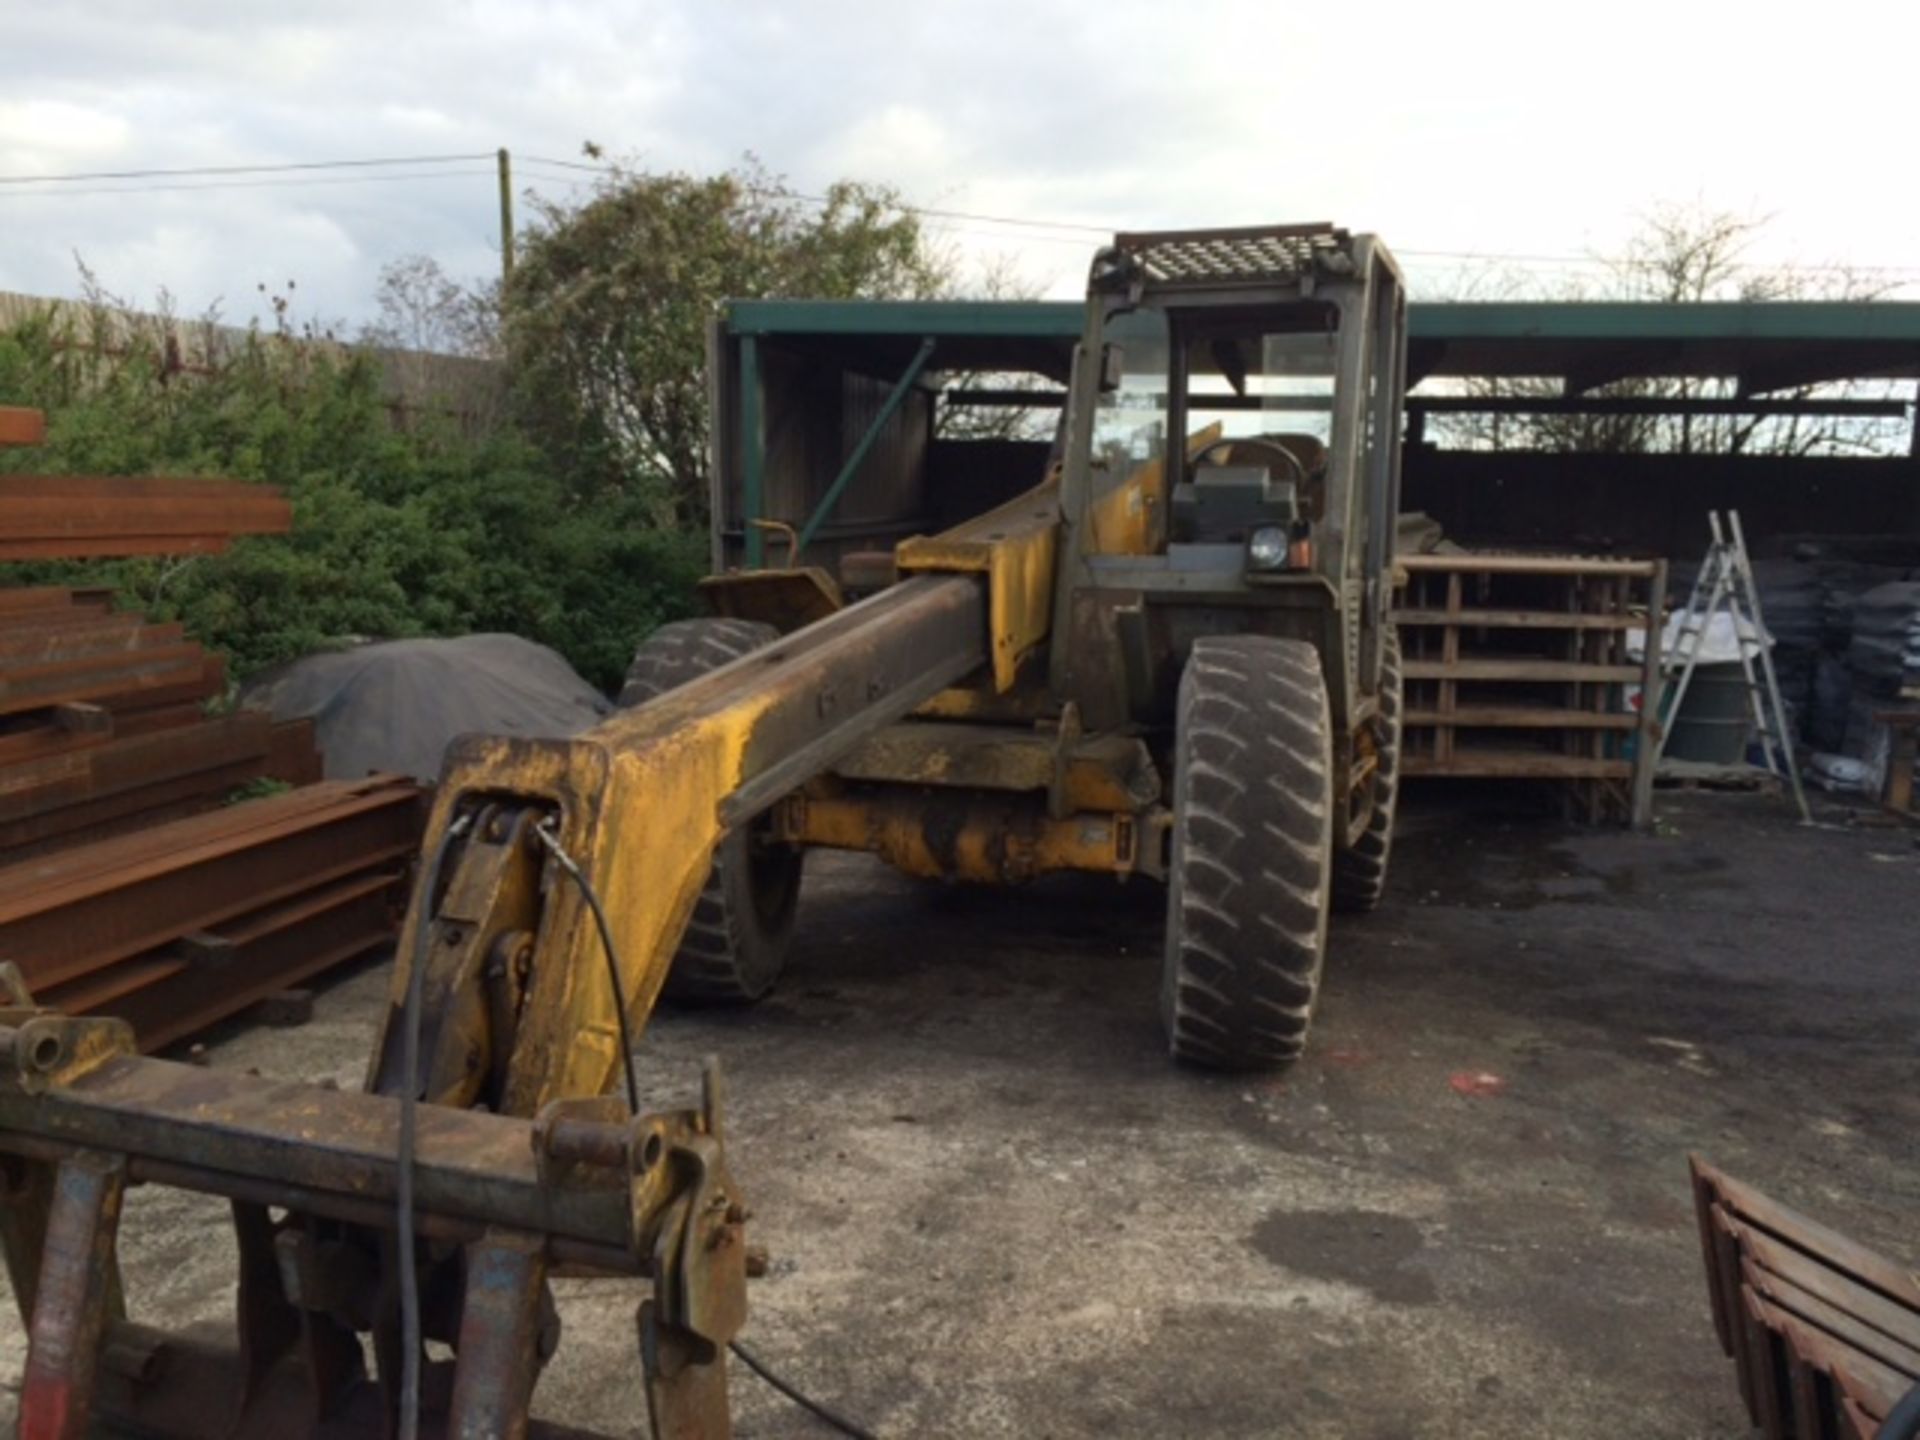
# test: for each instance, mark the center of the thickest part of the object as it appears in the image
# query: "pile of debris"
(142, 874)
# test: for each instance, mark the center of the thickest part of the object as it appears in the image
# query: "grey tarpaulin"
(395, 705)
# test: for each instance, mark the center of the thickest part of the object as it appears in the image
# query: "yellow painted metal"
(966, 835)
(1013, 545)
(979, 699)
(640, 801)
(1130, 519)
(784, 599)
(1102, 773)
(648, 861)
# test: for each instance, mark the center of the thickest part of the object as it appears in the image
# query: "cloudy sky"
(1535, 130)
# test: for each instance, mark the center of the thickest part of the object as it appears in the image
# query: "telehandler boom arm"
(520, 1004)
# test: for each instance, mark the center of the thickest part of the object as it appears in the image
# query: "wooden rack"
(1517, 668)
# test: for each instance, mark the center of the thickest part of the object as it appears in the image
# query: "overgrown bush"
(399, 530)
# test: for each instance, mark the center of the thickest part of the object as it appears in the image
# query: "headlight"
(1267, 548)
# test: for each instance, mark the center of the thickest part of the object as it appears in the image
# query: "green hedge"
(399, 530)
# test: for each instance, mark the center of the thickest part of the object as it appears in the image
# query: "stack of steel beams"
(178, 925)
(102, 724)
(134, 879)
(72, 517)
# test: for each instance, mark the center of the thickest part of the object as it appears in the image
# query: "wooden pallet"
(1517, 668)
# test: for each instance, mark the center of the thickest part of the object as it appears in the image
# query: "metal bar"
(1766, 667)
(1633, 405)
(62, 917)
(21, 426)
(1527, 564)
(847, 471)
(1647, 742)
(499, 1339)
(74, 1297)
(214, 1130)
(97, 677)
(752, 451)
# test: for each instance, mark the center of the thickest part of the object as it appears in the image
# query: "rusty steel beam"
(73, 912)
(183, 988)
(113, 675)
(87, 792)
(69, 782)
(129, 707)
(96, 635)
(42, 599)
(147, 718)
(75, 517)
(21, 426)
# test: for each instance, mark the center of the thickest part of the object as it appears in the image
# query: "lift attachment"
(310, 1174)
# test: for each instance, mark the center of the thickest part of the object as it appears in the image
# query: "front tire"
(736, 943)
(1251, 867)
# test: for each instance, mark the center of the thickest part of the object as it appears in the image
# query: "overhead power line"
(295, 184)
(956, 221)
(186, 171)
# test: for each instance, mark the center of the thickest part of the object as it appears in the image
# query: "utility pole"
(506, 216)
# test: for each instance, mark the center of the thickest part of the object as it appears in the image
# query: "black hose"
(567, 863)
(826, 1413)
(409, 1100)
(793, 1392)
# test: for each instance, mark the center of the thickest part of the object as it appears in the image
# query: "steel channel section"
(838, 682)
(324, 1152)
(499, 1338)
(103, 923)
(74, 1298)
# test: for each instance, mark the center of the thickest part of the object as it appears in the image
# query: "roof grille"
(1211, 257)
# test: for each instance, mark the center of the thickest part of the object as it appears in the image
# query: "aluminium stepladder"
(1725, 585)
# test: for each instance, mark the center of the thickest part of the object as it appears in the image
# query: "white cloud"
(1490, 127)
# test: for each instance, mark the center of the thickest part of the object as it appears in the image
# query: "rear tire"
(1252, 853)
(1360, 871)
(735, 945)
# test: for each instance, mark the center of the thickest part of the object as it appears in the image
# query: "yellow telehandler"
(1171, 658)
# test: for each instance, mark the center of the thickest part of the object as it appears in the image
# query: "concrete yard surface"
(995, 1209)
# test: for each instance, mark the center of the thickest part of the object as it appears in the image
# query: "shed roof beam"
(1805, 365)
(1609, 366)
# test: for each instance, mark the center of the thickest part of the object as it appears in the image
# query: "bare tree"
(997, 277)
(1689, 255)
(422, 308)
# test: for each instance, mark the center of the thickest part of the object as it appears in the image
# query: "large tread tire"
(735, 945)
(1252, 853)
(1360, 871)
